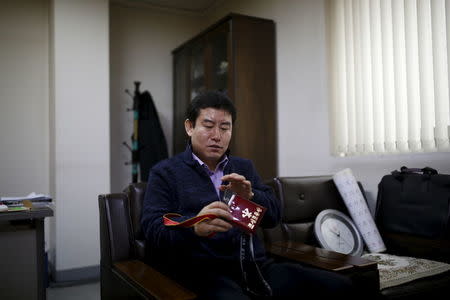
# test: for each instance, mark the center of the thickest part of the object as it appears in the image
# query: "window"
(389, 75)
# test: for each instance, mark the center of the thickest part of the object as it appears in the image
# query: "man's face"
(211, 135)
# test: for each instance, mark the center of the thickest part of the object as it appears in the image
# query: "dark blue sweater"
(180, 185)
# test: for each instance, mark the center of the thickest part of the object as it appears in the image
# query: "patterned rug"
(395, 270)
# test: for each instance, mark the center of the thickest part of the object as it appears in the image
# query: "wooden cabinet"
(235, 55)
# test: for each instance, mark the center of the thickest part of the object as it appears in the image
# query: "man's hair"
(210, 99)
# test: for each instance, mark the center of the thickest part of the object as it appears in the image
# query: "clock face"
(335, 231)
(337, 235)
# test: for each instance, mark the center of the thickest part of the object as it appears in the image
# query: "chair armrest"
(318, 257)
(152, 282)
(363, 272)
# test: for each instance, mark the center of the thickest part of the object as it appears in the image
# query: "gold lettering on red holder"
(246, 214)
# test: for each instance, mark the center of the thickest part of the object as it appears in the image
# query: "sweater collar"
(189, 159)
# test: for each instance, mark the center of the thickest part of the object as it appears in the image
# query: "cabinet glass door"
(198, 76)
(181, 98)
(220, 60)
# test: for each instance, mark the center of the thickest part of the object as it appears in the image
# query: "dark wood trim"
(153, 282)
(213, 27)
(318, 257)
(33, 213)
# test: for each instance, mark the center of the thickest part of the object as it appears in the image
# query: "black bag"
(415, 202)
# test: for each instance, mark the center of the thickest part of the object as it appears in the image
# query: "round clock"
(335, 231)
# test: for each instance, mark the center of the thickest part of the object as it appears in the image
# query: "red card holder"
(246, 214)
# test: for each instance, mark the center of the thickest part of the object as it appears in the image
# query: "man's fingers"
(238, 184)
(217, 208)
(219, 225)
(235, 180)
(233, 177)
(218, 205)
(207, 227)
(221, 213)
(223, 187)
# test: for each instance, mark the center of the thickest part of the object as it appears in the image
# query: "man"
(206, 257)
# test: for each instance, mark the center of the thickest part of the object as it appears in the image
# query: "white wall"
(54, 117)
(24, 104)
(141, 43)
(24, 99)
(80, 141)
(302, 95)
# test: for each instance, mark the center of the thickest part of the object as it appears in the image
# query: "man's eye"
(225, 128)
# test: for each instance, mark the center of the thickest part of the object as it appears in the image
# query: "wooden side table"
(363, 272)
(22, 253)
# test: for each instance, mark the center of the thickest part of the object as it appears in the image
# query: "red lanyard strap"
(186, 223)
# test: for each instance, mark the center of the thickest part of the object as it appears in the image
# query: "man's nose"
(216, 135)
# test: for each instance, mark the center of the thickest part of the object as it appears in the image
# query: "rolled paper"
(356, 204)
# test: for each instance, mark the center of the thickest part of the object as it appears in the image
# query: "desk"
(22, 254)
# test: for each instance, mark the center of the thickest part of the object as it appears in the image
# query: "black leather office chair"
(123, 273)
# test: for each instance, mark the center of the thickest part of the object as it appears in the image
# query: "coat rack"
(148, 143)
(134, 137)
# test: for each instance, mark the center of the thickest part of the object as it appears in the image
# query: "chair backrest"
(302, 199)
(116, 234)
(121, 237)
(135, 193)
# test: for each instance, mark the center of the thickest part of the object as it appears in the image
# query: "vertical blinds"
(389, 75)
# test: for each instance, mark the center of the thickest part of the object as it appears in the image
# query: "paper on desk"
(356, 204)
(30, 196)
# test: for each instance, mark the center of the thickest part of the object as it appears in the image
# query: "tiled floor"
(87, 291)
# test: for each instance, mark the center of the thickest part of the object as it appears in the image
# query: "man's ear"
(188, 126)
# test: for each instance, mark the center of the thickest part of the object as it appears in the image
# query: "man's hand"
(238, 184)
(222, 211)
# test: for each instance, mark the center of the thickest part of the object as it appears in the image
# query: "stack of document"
(36, 200)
